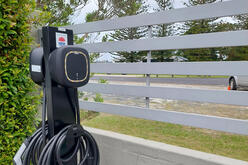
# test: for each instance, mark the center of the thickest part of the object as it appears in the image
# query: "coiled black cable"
(86, 147)
(41, 151)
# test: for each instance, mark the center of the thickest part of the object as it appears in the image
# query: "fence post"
(149, 56)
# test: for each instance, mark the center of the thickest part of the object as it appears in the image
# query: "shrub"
(80, 94)
(102, 81)
(18, 100)
(98, 98)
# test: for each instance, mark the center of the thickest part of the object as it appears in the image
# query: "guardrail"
(210, 40)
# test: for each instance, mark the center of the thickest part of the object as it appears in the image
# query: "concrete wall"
(119, 149)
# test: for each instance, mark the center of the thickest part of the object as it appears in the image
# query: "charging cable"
(38, 150)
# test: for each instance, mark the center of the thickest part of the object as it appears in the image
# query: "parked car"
(236, 82)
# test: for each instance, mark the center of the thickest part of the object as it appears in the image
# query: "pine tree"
(196, 27)
(243, 22)
(163, 31)
(239, 53)
(233, 53)
(60, 10)
(108, 9)
(127, 8)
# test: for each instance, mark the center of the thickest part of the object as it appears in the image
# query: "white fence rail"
(234, 7)
(211, 96)
(210, 40)
(178, 68)
(189, 119)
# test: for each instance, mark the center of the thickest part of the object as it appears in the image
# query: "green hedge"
(18, 103)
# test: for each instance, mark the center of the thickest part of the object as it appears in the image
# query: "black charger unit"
(60, 68)
(69, 66)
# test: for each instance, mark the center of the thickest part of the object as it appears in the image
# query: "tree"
(196, 27)
(243, 22)
(108, 9)
(18, 97)
(162, 31)
(127, 8)
(233, 53)
(60, 10)
(220, 26)
(239, 53)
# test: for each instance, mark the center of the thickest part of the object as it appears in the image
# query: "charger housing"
(70, 66)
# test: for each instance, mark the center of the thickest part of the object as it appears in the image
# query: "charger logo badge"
(61, 39)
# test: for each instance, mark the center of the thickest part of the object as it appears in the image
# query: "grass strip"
(229, 145)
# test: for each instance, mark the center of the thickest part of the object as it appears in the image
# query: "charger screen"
(76, 66)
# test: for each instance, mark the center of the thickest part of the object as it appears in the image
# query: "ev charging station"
(60, 68)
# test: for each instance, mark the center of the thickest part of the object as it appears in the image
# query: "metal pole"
(149, 55)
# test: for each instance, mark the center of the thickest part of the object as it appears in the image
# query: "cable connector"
(18, 156)
(75, 131)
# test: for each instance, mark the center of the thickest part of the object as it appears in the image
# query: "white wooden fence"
(210, 40)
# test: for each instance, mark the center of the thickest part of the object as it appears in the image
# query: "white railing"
(210, 40)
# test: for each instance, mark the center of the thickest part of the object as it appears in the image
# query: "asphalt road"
(186, 81)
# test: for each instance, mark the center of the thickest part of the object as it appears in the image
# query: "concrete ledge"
(119, 149)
